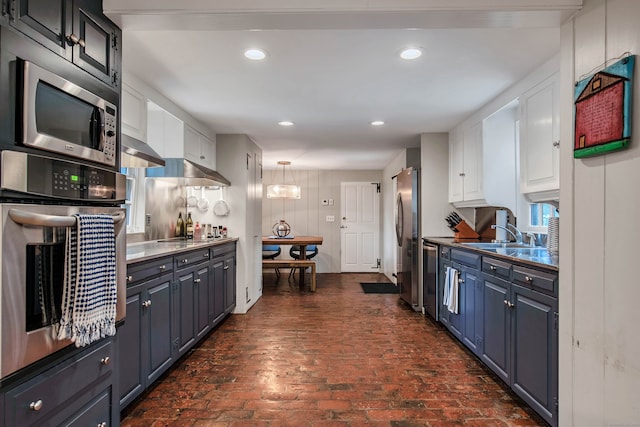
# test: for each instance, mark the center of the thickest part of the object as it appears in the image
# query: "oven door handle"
(42, 220)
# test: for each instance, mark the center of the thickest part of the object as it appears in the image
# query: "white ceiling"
(333, 69)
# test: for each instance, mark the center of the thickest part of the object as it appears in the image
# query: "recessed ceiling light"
(255, 54)
(376, 123)
(285, 123)
(411, 53)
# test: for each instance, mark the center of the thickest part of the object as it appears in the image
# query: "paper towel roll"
(501, 220)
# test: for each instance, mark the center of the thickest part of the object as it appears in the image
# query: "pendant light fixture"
(283, 190)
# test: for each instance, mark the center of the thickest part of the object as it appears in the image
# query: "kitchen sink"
(491, 245)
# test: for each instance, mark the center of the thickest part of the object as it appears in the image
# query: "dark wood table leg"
(303, 255)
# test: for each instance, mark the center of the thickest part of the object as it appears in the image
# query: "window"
(540, 213)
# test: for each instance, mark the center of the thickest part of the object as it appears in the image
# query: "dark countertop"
(143, 251)
(543, 259)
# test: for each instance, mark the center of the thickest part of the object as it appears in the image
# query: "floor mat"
(379, 288)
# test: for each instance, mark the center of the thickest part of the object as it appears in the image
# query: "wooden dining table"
(301, 241)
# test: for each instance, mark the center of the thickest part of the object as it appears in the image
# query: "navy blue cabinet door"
(496, 351)
(46, 21)
(218, 289)
(130, 344)
(185, 318)
(472, 309)
(157, 322)
(535, 350)
(202, 301)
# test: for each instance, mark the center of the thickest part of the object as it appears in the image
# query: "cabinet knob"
(202, 157)
(184, 261)
(556, 144)
(460, 280)
(461, 174)
(196, 280)
(36, 406)
(105, 360)
(162, 267)
(529, 279)
(493, 268)
(146, 303)
(129, 279)
(74, 40)
(226, 267)
(206, 255)
(102, 424)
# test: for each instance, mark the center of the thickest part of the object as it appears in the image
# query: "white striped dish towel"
(451, 290)
(90, 291)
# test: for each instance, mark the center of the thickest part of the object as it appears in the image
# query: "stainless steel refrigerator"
(407, 220)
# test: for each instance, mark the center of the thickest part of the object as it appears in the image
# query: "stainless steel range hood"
(188, 173)
(137, 154)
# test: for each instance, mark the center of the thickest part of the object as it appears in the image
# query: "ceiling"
(333, 69)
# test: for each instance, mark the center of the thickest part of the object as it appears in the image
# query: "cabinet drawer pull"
(206, 255)
(146, 303)
(129, 279)
(556, 143)
(493, 268)
(184, 261)
(226, 267)
(196, 280)
(528, 279)
(105, 360)
(162, 267)
(35, 406)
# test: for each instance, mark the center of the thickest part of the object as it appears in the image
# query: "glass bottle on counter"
(197, 233)
(180, 226)
(189, 226)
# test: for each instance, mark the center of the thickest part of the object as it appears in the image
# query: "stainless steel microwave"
(62, 117)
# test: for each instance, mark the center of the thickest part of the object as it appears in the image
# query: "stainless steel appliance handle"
(42, 220)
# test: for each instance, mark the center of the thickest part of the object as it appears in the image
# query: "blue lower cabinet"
(534, 365)
(77, 391)
(496, 352)
(145, 346)
(508, 317)
(172, 303)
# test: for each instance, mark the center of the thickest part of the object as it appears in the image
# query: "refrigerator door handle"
(399, 219)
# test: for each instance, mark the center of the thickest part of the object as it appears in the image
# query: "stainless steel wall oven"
(38, 196)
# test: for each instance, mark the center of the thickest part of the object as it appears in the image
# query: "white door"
(360, 227)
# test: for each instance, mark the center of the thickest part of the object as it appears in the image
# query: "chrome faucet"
(518, 234)
(494, 226)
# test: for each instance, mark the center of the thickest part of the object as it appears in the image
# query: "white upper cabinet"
(165, 132)
(465, 167)
(171, 137)
(482, 161)
(134, 113)
(198, 148)
(539, 141)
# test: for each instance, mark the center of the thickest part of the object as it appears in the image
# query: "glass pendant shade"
(283, 191)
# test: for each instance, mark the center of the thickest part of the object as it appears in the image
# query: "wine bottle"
(180, 226)
(189, 227)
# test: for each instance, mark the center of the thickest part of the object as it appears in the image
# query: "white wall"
(389, 247)
(239, 161)
(306, 215)
(599, 235)
(435, 184)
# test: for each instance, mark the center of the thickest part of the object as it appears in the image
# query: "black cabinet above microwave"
(74, 29)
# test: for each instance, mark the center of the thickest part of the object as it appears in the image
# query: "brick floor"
(336, 357)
